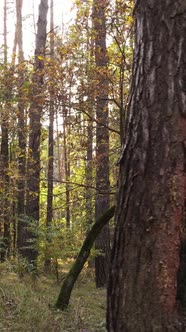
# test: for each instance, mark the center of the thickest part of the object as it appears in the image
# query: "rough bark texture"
(146, 290)
(66, 289)
(35, 112)
(102, 139)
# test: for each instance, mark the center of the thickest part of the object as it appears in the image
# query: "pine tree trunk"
(102, 140)
(67, 169)
(35, 112)
(88, 174)
(147, 288)
(5, 202)
(90, 130)
(50, 143)
(21, 134)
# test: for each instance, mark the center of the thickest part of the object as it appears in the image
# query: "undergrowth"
(26, 305)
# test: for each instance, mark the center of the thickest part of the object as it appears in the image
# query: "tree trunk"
(102, 140)
(66, 130)
(21, 133)
(90, 130)
(59, 154)
(35, 112)
(5, 203)
(89, 174)
(147, 288)
(66, 289)
(50, 141)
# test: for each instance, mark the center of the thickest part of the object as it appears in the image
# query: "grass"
(26, 305)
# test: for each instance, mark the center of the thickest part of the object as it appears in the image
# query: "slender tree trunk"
(123, 36)
(60, 168)
(102, 140)
(147, 288)
(50, 138)
(5, 153)
(89, 167)
(35, 112)
(90, 131)
(21, 133)
(89, 174)
(5, 199)
(67, 169)
(59, 158)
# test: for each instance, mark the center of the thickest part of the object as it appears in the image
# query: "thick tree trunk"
(102, 139)
(147, 287)
(66, 289)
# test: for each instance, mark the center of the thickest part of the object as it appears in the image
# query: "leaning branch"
(67, 286)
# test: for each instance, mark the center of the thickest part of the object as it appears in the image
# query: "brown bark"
(90, 130)
(4, 153)
(66, 131)
(21, 131)
(146, 291)
(35, 112)
(59, 157)
(89, 175)
(50, 142)
(102, 139)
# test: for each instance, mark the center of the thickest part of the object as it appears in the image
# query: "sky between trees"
(63, 15)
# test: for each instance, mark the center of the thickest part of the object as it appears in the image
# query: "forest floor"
(25, 305)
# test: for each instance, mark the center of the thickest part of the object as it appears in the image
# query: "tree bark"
(4, 152)
(50, 144)
(35, 112)
(102, 139)
(22, 134)
(147, 287)
(66, 132)
(66, 289)
(89, 205)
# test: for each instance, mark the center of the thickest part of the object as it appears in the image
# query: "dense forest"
(62, 113)
(62, 110)
(92, 167)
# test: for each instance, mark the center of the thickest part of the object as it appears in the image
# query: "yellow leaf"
(40, 57)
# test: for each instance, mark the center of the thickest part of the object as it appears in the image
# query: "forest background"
(63, 114)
